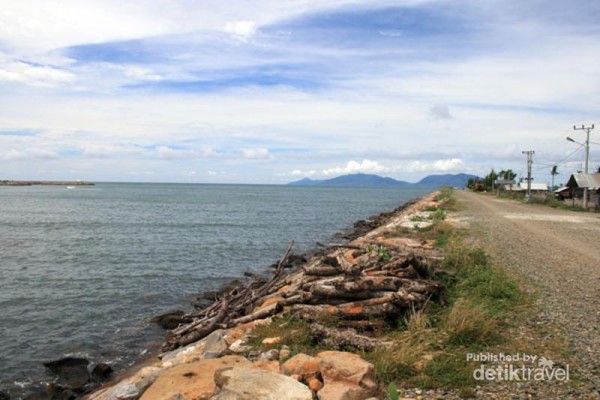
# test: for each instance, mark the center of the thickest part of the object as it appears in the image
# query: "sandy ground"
(557, 252)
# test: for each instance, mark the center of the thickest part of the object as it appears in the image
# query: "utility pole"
(587, 130)
(530, 154)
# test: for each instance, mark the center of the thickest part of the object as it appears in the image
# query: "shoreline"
(46, 183)
(357, 229)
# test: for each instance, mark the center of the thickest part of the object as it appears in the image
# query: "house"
(562, 193)
(535, 187)
(578, 182)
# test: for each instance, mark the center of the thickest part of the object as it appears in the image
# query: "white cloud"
(299, 172)
(452, 164)
(242, 29)
(34, 75)
(354, 167)
(170, 153)
(258, 153)
(28, 154)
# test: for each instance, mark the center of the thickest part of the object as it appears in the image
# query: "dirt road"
(558, 252)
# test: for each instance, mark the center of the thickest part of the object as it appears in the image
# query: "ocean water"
(83, 270)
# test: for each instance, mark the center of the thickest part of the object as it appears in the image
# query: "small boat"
(70, 187)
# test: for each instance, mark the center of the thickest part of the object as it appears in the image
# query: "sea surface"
(83, 270)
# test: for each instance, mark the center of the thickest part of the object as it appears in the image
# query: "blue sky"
(273, 91)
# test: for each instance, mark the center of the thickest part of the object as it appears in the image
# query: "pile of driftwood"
(361, 285)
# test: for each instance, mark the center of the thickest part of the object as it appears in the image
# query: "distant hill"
(455, 180)
(368, 180)
(355, 180)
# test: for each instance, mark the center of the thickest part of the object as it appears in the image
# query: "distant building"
(562, 193)
(577, 182)
(535, 187)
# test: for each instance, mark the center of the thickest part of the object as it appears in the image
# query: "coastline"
(46, 183)
(145, 369)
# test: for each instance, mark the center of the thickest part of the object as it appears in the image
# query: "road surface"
(558, 251)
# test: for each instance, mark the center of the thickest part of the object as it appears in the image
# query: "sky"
(271, 91)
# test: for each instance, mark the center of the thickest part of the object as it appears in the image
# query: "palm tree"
(553, 173)
(507, 174)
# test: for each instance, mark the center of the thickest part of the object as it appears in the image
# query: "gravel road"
(557, 253)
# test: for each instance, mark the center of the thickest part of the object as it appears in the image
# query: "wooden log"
(205, 330)
(347, 267)
(260, 314)
(330, 291)
(338, 339)
(371, 283)
(302, 297)
(321, 270)
(353, 310)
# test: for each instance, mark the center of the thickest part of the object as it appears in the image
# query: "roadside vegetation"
(483, 310)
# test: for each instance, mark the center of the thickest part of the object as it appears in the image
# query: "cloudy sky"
(270, 91)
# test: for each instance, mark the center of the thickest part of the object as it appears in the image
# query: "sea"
(83, 270)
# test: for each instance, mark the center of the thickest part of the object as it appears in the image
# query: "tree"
(507, 174)
(489, 179)
(554, 172)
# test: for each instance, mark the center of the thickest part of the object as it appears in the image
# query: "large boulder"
(191, 381)
(215, 344)
(71, 372)
(242, 383)
(346, 376)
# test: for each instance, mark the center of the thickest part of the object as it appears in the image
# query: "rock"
(54, 392)
(346, 376)
(191, 381)
(302, 365)
(271, 340)
(101, 372)
(342, 391)
(238, 347)
(125, 391)
(72, 372)
(169, 320)
(4, 395)
(215, 344)
(284, 353)
(272, 366)
(269, 355)
(251, 384)
(314, 384)
(190, 353)
(145, 378)
(121, 391)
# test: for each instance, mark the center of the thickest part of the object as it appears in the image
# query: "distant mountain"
(457, 180)
(367, 180)
(354, 180)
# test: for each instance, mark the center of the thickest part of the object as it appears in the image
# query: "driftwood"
(349, 283)
(339, 339)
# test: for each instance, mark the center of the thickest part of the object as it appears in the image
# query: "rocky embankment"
(362, 285)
